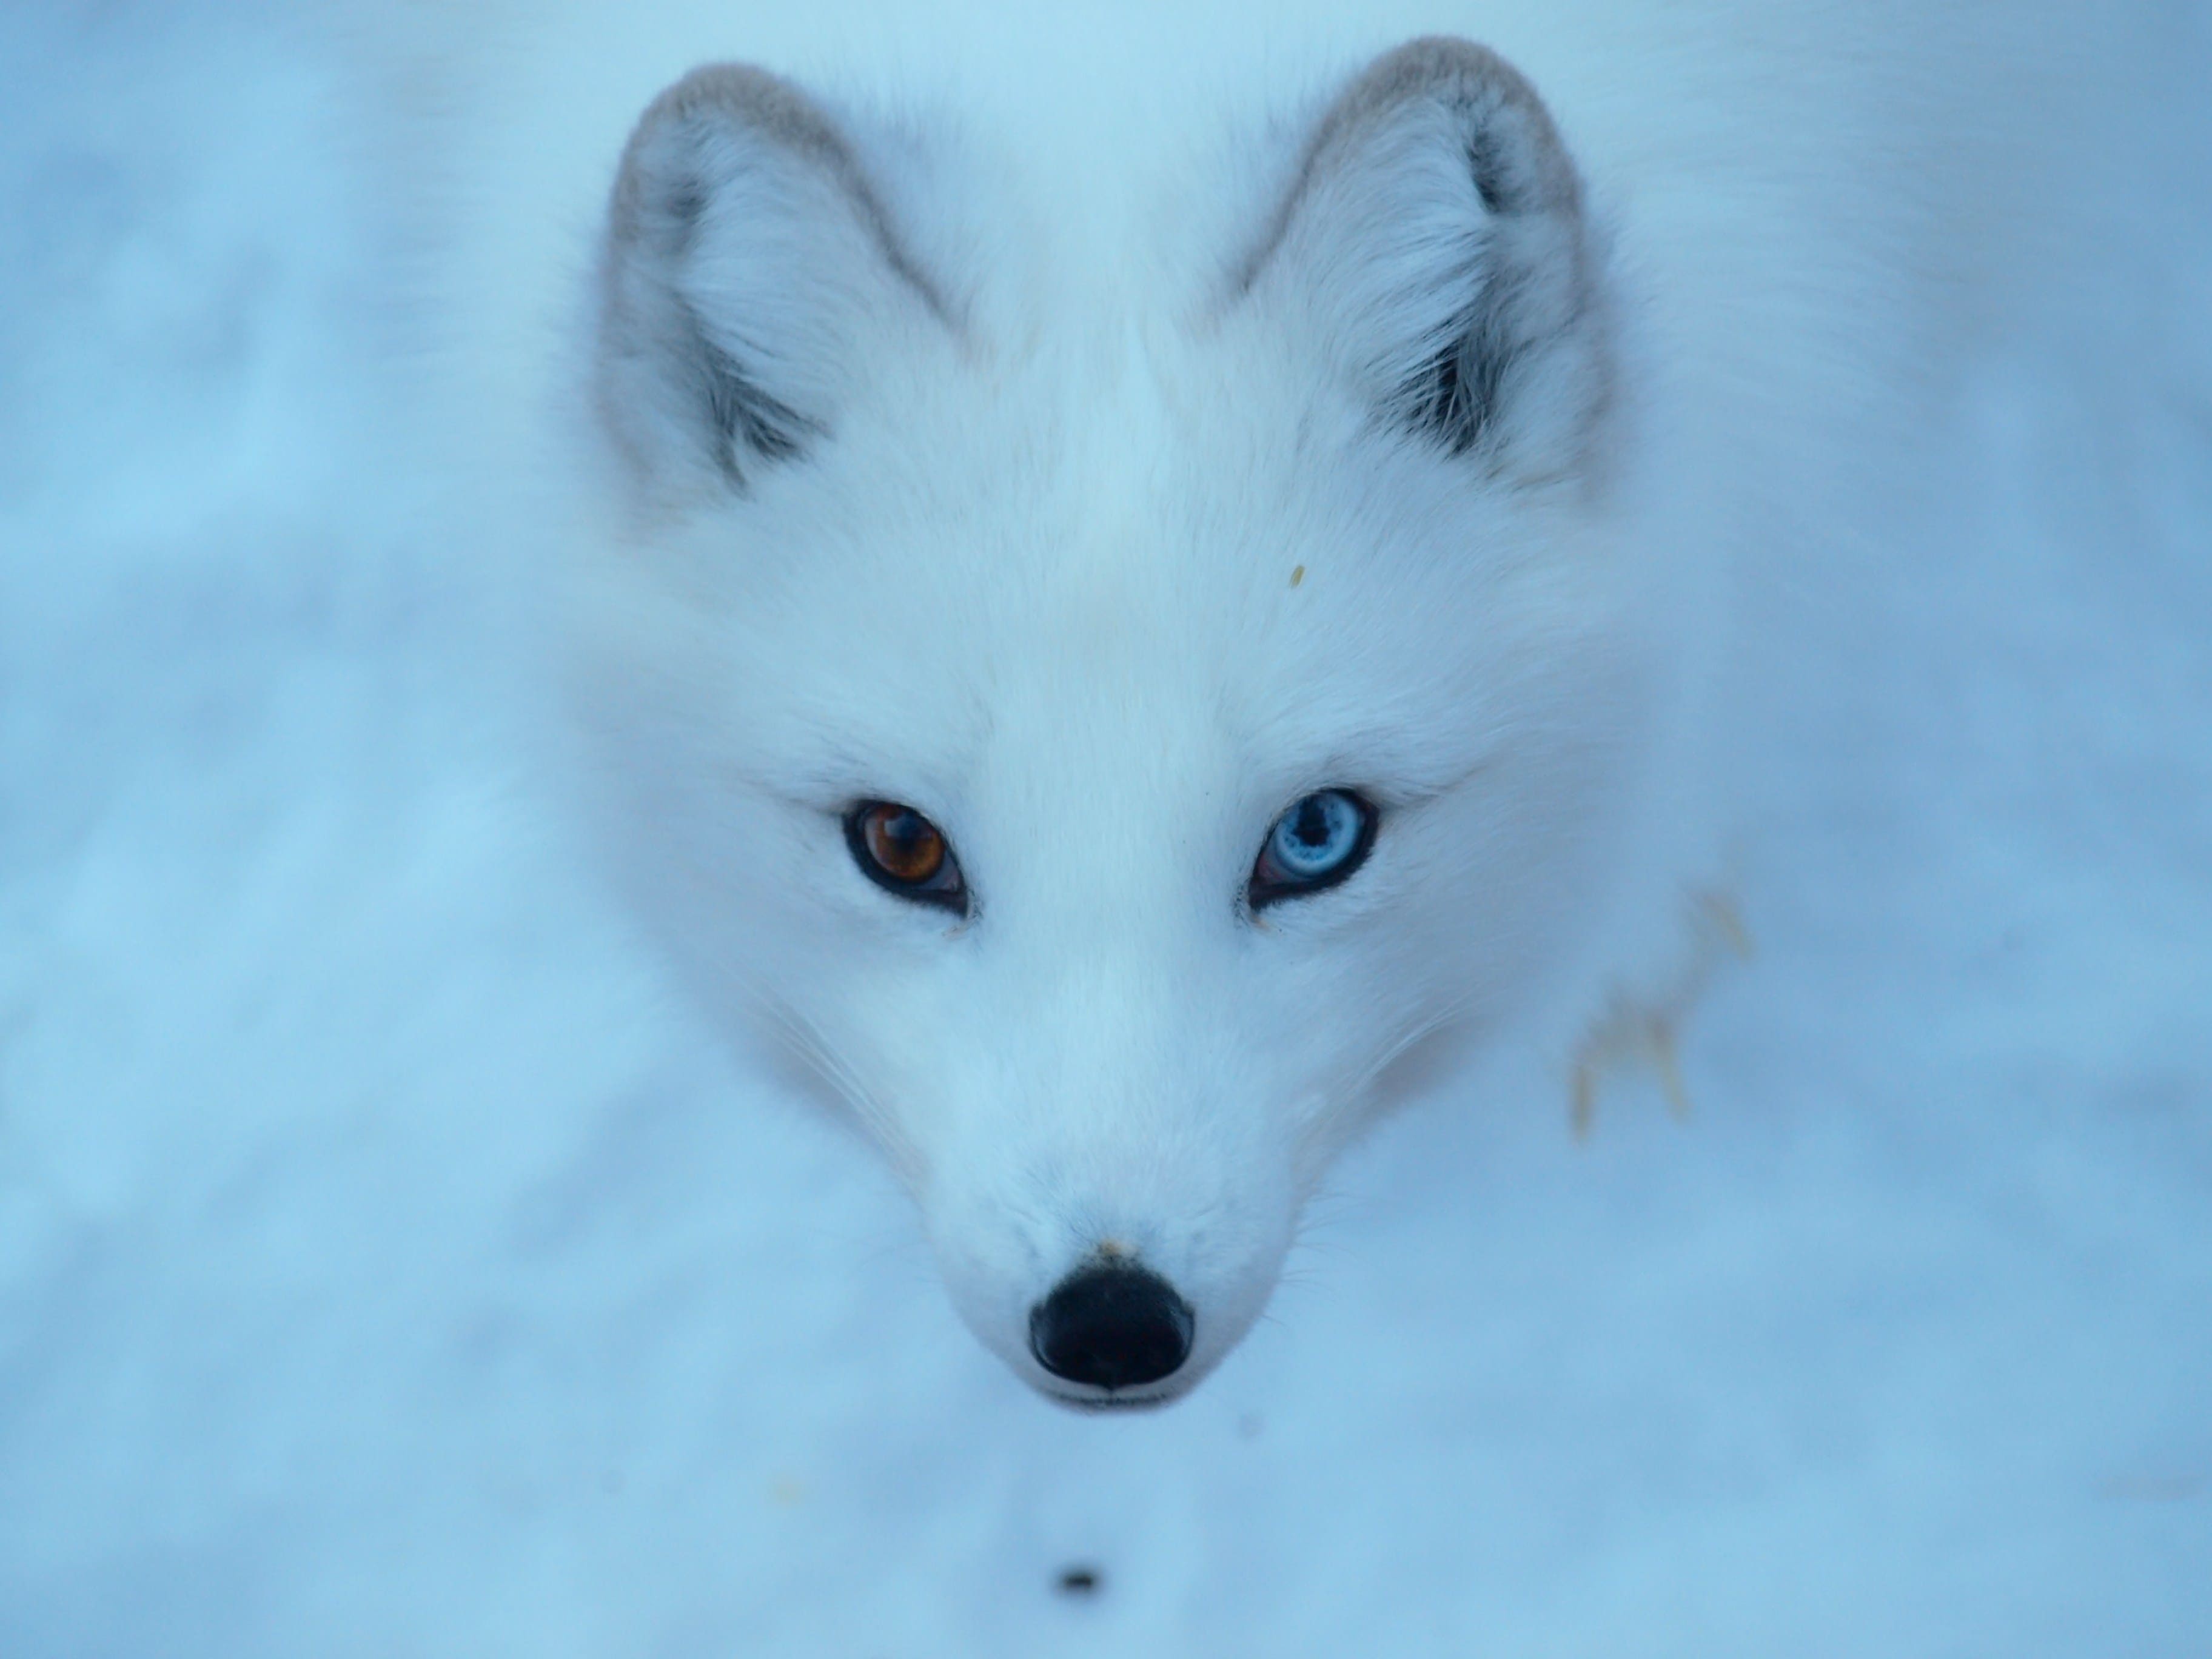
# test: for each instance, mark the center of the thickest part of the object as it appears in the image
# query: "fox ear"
(1434, 242)
(749, 268)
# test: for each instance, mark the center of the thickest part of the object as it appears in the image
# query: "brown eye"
(905, 845)
(904, 852)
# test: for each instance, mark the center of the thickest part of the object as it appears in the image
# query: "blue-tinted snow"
(384, 1269)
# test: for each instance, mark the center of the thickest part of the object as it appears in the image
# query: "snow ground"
(385, 1270)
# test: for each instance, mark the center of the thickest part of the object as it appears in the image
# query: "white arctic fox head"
(1105, 736)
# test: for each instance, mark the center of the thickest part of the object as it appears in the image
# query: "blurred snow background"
(384, 1269)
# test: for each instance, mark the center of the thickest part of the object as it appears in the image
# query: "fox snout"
(1122, 1286)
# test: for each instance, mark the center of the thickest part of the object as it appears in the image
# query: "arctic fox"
(1119, 632)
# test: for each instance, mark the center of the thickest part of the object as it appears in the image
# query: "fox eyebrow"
(831, 789)
(824, 799)
(1367, 766)
(1437, 790)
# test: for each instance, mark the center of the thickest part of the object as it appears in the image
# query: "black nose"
(1114, 1326)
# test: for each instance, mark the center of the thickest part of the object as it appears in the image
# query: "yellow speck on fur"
(1298, 574)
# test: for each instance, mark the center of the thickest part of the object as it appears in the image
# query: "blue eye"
(1316, 844)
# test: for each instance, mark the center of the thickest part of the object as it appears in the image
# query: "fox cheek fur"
(1096, 586)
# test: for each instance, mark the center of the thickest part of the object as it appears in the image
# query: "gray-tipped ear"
(749, 267)
(1434, 240)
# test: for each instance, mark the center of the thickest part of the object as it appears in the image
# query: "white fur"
(1111, 546)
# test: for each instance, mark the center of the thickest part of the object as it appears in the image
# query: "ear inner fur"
(1433, 66)
(1519, 172)
(654, 218)
(784, 115)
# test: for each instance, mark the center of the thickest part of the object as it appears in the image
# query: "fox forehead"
(1139, 664)
(1062, 558)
